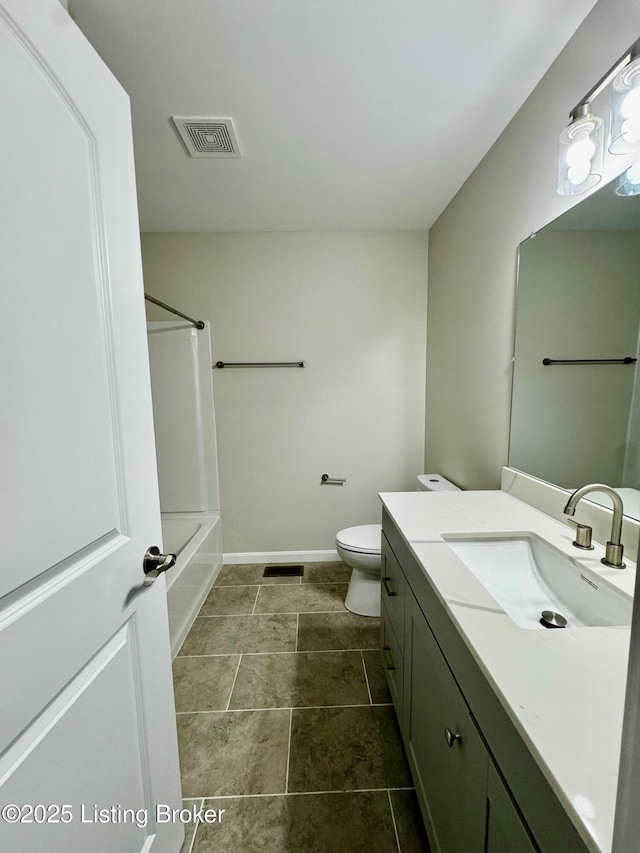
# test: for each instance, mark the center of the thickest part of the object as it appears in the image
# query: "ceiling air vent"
(207, 137)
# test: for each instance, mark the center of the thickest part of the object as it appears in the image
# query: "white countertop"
(563, 690)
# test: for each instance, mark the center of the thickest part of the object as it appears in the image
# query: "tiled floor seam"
(286, 781)
(193, 840)
(289, 583)
(256, 601)
(299, 652)
(235, 678)
(286, 708)
(366, 677)
(271, 613)
(195, 831)
(301, 793)
(393, 819)
(297, 629)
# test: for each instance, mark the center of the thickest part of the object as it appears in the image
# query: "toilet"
(360, 548)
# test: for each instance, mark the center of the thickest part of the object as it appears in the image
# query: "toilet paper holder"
(326, 480)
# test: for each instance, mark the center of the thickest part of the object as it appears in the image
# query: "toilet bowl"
(360, 548)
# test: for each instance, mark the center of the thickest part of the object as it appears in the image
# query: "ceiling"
(351, 114)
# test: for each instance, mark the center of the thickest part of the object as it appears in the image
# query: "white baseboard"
(281, 557)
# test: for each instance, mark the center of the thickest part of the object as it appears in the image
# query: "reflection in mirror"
(579, 298)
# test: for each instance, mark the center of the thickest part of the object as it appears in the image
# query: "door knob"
(155, 563)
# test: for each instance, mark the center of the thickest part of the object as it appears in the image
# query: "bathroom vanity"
(512, 733)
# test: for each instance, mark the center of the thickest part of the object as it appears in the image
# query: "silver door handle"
(452, 738)
(154, 563)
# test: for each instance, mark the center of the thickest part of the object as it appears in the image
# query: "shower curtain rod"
(197, 323)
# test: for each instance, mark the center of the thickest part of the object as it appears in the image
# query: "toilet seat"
(363, 539)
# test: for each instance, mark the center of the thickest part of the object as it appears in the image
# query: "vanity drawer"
(392, 660)
(394, 590)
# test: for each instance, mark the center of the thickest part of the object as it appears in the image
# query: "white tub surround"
(563, 690)
(183, 415)
(184, 425)
(196, 540)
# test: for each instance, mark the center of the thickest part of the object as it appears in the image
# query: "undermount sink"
(526, 577)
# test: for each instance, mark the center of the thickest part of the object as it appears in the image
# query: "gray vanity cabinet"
(394, 594)
(447, 757)
(479, 788)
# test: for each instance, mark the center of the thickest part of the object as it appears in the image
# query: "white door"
(86, 705)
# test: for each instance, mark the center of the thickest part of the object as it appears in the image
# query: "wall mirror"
(578, 299)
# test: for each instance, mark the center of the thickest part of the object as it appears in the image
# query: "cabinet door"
(506, 830)
(447, 756)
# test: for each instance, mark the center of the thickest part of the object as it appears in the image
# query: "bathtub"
(196, 540)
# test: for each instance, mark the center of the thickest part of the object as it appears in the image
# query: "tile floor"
(286, 723)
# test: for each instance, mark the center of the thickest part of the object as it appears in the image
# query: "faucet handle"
(613, 556)
(583, 536)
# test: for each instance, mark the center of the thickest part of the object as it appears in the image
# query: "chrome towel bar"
(627, 360)
(222, 364)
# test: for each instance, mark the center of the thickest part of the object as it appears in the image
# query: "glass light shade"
(628, 182)
(625, 110)
(580, 155)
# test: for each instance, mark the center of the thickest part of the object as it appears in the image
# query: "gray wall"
(472, 257)
(353, 305)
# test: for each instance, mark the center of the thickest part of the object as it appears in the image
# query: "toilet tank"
(435, 483)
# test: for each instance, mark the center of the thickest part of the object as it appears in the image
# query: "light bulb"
(630, 107)
(579, 173)
(630, 130)
(582, 150)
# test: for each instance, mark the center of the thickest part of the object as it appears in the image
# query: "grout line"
(195, 831)
(300, 652)
(282, 708)
(366, 677)
(302, 793)
(218, 615)
(286, 781)
(297, 630)
(253, 583)
(272, 613)
(193, 839)
(297, 582)
(393, 818)
(234, 683)
(256, 601)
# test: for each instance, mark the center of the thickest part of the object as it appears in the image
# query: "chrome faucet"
(614, 548)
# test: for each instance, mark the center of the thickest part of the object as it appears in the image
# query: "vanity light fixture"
(628, 182)
(625, 106)
(581, 154)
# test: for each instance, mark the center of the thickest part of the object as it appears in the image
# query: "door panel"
(451, 781)
(506, 829)
(60, 751)
(86, 710)
(61, 430)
